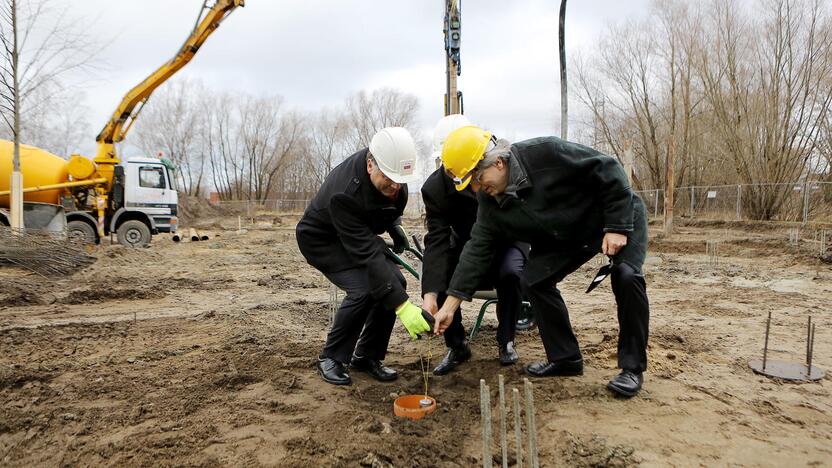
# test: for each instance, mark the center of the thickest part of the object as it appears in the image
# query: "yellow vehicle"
(134, 198)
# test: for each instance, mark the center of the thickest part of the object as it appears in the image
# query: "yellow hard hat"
(462, 151)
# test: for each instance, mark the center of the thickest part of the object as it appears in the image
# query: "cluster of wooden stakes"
(531, 433)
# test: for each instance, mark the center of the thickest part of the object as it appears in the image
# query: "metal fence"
(793, 202)
(803, 202)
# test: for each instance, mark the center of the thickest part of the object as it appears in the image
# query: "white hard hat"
(395, 154)
(444, 126)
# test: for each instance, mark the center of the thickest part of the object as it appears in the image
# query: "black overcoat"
(340, 228)
(569, 195)
(450, 216)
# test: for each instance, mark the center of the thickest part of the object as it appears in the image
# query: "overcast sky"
(315, 53)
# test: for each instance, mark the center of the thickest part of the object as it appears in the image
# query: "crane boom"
(123, 117)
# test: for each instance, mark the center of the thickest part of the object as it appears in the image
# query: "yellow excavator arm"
(125, 114)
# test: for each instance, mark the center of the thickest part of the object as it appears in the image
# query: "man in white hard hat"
(360, 199)
(450, 215)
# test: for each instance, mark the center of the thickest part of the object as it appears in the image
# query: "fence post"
(656, 205)
(806, 201)
(692, 200)
(739, 202)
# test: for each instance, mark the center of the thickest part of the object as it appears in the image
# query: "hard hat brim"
(402, 179)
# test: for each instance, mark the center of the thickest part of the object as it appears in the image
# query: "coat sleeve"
(367, 250)
(436, 265)
(476, 256)
(615, 193)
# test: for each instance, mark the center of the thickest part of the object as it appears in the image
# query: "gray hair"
(501, 150)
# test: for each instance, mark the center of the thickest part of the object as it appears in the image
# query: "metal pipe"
(40, 188)
(176, 238)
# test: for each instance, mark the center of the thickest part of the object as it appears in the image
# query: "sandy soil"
(203, 354)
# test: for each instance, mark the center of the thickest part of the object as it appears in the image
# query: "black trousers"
(504, 273)
(361, 326)
(552, 317)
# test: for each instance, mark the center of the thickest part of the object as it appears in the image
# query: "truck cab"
(150, 188)
(145, 200)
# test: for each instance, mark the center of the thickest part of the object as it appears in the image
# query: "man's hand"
(613, 243)
(430, 304)
(446, 314)
(412, 319)
(399, 237)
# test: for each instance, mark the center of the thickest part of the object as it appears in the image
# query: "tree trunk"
(564, 100)
(16, 196)
(670, 186)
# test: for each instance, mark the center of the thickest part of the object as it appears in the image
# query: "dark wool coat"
(450, 215)
(562, 200)
(340, 228)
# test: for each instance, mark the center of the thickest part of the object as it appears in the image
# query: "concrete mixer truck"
(135, 198)
(139, 200)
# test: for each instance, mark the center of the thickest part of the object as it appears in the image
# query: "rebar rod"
(765, 345)
(808, 345)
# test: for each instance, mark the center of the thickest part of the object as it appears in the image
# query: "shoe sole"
(335, 382)
(620, 391)
(559, 374)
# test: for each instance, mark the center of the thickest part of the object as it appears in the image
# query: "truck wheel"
(80, 231)
(133, 233)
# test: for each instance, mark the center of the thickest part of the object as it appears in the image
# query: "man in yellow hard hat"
(363, 197)
(449, 215)
(569, 202)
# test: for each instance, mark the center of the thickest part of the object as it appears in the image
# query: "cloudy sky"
(315, 53)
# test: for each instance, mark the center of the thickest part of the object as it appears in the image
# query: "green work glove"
(399, 237)
(413, 318)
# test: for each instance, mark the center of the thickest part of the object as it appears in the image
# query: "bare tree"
(366, 113)
(41, 44)
(767, 85)
(170, 124)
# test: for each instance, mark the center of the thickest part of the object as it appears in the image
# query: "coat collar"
(518, 179)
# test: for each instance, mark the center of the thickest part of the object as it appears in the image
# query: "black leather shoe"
(374, 367)
(455, 357)
(627, 383)
(524, 324)
(507, 354)
(556, 369)
(333, 372)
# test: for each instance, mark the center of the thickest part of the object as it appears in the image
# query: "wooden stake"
(503, 438)
(518, 436)
(485, 411)
(530, 425)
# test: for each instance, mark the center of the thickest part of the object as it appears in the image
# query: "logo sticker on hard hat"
(406, 167)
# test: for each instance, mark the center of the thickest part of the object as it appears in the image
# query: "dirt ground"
(203, 354)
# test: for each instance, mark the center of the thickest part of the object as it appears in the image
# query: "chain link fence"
(804, 202)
